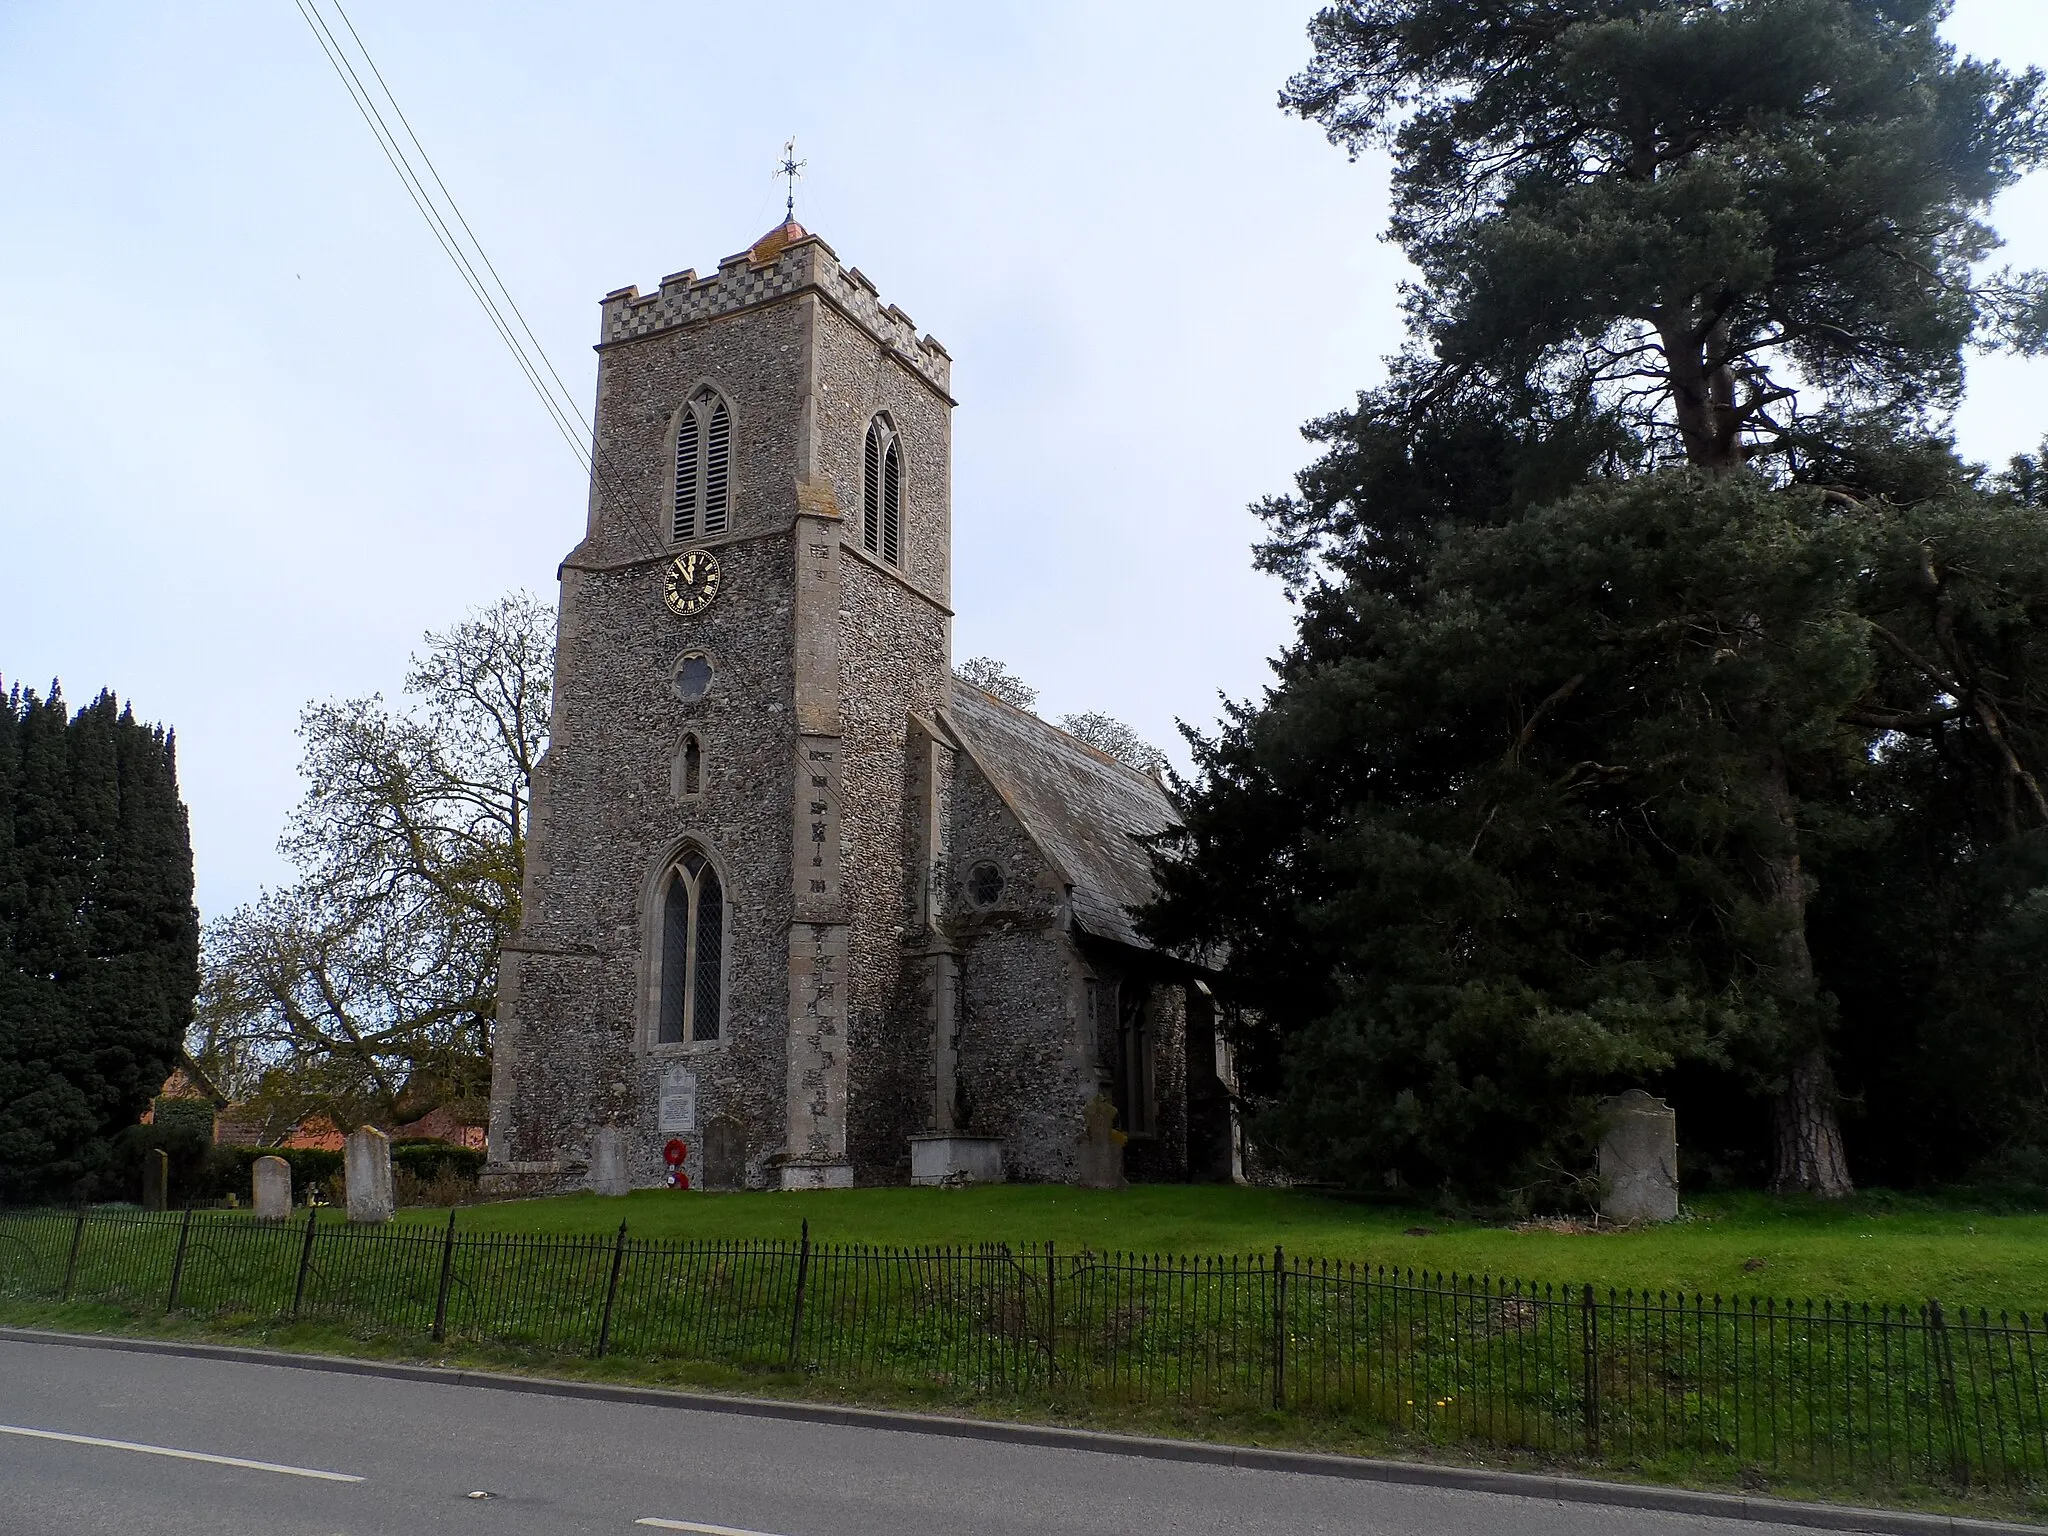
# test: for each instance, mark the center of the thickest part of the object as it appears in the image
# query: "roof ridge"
(1061, 731)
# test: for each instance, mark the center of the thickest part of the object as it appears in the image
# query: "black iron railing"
(1855, 1396)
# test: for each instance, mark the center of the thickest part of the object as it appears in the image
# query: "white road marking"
(701, 1530)
(165, 1450)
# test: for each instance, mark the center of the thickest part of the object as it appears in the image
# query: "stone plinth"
(608, 1161)
(367, 1164)
(817, 1175)
(1638, 1158)
(271, 1188)
(156, 1179)
(1101, 1160)
(947, 1157)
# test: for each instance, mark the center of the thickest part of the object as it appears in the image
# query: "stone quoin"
(788, 878)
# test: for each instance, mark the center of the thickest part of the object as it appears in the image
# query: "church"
(801, 906)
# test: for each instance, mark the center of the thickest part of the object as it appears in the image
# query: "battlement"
(785, 261)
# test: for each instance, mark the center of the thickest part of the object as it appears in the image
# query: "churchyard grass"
(1876, 1247)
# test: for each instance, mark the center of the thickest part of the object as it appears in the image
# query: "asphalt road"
(282, 1452)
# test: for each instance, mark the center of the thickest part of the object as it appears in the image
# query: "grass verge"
(1264, 1428)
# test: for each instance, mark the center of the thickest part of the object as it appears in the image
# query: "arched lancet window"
(703, 469)
(692, 952)
(881, 525)
(693, 766)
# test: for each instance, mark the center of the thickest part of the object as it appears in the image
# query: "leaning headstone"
(156, 1179)
(367, 1172)
(1638, 1158)
(608, 1161)
(271, 1179)
(1102, 1146)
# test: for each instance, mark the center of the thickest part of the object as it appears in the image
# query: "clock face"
(692, 583)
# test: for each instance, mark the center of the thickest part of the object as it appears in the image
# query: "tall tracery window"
(692, 952)
(881, 521)
(703, 468)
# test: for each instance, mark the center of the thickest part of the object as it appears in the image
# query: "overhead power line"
(416, 170)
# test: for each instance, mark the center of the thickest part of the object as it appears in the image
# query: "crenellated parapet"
(786, 261)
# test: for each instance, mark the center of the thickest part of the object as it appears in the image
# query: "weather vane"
(792, 168)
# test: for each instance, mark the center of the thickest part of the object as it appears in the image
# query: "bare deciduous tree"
(366, 989)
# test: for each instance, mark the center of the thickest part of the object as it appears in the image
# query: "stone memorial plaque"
(678, 1100)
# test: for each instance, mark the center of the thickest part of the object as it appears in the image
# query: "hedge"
(425, 1159)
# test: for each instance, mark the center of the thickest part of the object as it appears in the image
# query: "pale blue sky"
(255, 436)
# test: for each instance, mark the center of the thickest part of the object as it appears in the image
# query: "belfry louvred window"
(703, 468)
(692, 952)
(881, 520)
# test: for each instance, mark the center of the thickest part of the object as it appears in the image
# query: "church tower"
(723, 867)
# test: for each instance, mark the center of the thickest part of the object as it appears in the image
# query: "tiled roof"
(1082, 807)
(776, 241)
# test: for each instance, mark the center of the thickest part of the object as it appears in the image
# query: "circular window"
(691, 678)
(984, 885)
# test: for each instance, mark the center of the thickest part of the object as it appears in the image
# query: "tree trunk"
(1807, 1138)
(1702, 395)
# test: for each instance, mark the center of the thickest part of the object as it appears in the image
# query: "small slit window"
(881, 524)
(693, 766)
(692, 952)
(703, 468)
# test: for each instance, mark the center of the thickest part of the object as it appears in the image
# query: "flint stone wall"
(894, 644)
(583, 972)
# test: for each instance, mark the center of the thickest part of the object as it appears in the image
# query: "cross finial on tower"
(792, 168)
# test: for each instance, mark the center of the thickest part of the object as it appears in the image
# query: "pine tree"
(1739, 234)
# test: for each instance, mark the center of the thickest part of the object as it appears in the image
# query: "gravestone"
(725, 1153)
(156, 1179)
(367, 1170)
(272, 1188)
(1102, 1146)
(608, 1161)
(1638, 1158)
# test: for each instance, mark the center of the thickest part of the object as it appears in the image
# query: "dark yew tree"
(99, 940)
(1740, 235)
